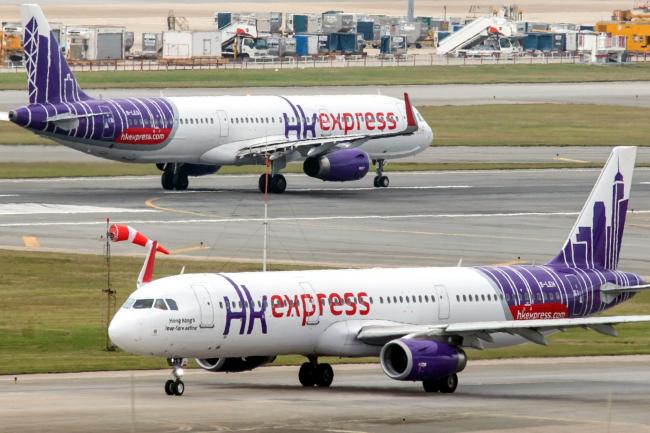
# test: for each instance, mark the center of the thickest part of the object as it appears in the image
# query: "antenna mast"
(266, 216)
(110, 293)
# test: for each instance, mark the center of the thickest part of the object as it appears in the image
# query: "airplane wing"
(275, 147)
(473, 334)
(4, 116)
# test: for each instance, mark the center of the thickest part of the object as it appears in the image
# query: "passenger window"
(458, 298)
(401, 300)
(128, 303)
(464, 298)
(406, 298)
(381, 300)
(420, 299)
(483, 298)
(181, 121)
(141, 304)
(160, 304)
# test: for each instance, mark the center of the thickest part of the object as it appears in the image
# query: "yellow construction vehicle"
(12, 42)
(634, 24)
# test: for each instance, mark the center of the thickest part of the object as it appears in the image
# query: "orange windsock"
(119, 232)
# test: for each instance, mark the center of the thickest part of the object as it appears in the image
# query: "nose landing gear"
(312, 373)
(176, 386)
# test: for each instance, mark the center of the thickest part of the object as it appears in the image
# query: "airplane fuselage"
(321, 312)
(212, 130)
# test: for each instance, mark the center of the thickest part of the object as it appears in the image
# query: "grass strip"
(352, 76)
(53, 313)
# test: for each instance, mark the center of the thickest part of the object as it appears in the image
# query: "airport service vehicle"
(419, 321)
(336, 136)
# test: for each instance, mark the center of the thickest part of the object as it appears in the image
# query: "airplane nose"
(118, 332)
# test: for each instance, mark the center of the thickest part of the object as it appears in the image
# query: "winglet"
(411, 123)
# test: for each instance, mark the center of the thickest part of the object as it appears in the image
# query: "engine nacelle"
(234, 365)
(413, 359)
(339, 166)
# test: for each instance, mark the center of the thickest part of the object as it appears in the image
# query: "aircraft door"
(324, 114)
(222, 117)
(310, 306)
(443, 302)
(206, 308)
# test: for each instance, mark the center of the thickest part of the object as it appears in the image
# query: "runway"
(424, 218)
(580, 395)
(631, 93)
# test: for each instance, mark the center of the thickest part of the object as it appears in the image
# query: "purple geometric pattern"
(578, 289)
(598, 246)
(574, 277)
(60, 109)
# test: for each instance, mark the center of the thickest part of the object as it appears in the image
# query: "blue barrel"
(300, 23)
(302, 45)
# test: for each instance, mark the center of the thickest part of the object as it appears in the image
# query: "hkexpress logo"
(344, 122)
(303, 306)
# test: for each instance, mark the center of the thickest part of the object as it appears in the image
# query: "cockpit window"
(128, 303)
(143, 303)
(160, 304)
(172, 304)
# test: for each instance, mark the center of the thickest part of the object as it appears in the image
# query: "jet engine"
(339, 166)
(414, 359)
(234, 365)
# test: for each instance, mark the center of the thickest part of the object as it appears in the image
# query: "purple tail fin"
(595, 241)
(49, 78)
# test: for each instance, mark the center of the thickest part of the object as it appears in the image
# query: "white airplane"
(419, 321)
(336, 136)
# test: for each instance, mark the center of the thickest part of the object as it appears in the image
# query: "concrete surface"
(580, 395)
(425, 218)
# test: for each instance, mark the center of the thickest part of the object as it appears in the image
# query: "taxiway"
(580, 395)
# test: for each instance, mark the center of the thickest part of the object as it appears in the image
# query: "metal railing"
(309, 62)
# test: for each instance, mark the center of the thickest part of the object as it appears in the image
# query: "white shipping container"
(177, 45)
(95, 42)
(206, 44)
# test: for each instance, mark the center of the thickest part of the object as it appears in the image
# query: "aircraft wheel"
(278, 184)
(431, 385)
(383, 181)
(181, 182)
(178, 387)
(167, 180)
(262, 183)
(168, 387)
(449, 384)
(324, 375)
(306, 374)
(376, 182)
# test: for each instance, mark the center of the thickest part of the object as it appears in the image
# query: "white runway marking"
(292, 219)
(8, 195)
(380, 189)
(48, 208)
(644, 183)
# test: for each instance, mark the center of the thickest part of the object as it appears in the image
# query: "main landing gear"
(381, 181)
(275, 182)
(312, 373)
(445, 385)
(175, 386)
(173, 177)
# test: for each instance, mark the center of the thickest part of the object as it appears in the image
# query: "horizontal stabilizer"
(609, 291)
